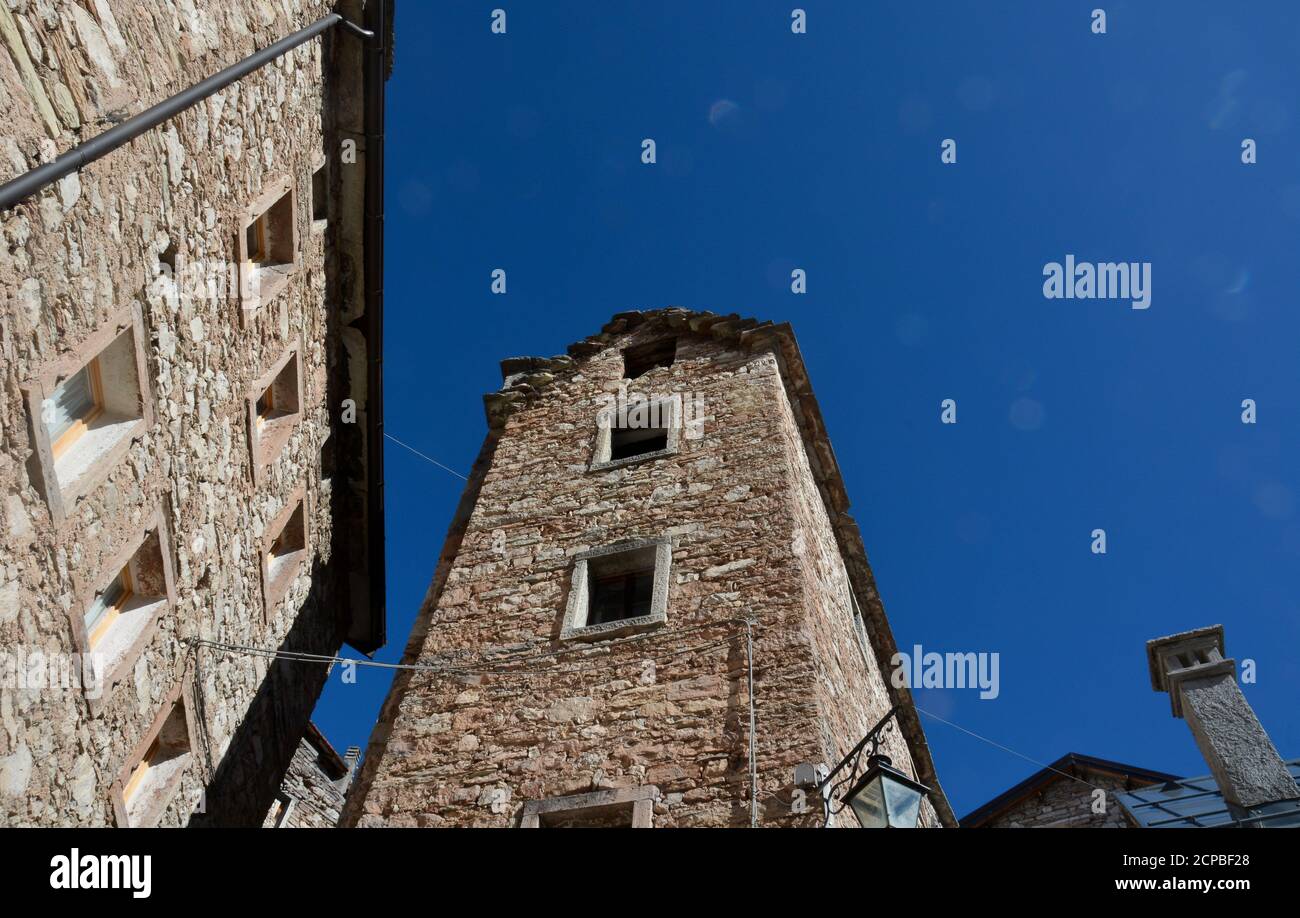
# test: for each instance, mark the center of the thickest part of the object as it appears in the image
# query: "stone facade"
(118, 248)
(524, 721)
(1064, 795)
(314, 787)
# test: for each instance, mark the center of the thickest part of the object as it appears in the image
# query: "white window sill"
(94, 452)
(262, 283)
(272, 435)
(150, 801)
(116, 652)
(620, 628)
(281, 572)
(632, 460)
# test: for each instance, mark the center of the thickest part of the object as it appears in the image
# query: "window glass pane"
(110, 598)
(73, 400)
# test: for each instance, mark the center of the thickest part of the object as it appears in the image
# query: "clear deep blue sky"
(925, 280)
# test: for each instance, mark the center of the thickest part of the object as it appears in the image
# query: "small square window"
(270, 238)
(626, 442)
(618, 589)
(117, 613)
(287, 545)
(281, 810)
(619, 596)
(635, 430)
(84, 417)
(150, 779)
(268, 245)
(108, 606)
(274, 410)
(640, 360)
(86, 409)
(285, 551)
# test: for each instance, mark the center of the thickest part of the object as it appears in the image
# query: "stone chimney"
(1202, 687)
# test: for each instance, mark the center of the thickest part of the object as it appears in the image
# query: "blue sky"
(522, 151)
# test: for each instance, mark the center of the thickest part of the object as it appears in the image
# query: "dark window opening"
(269, 238)
(590, 817)
(319, 203)
(637, 361)
(625, 442)
(616, 597)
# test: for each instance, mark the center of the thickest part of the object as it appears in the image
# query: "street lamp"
(882, 797)
(885, 798)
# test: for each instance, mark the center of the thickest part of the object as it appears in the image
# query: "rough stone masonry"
(74, 260)
(651, 727)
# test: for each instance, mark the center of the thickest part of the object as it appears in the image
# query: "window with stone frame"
(274, 411)
(618, 589)
(268, 245)
(120, 605)
(625, 807)
(285, 550)
(637, 429)
(86, 408)
(152, 775)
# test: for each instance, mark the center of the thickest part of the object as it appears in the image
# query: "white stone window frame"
(172, 784)
(127, 638)
(62, 492)
(605, 418)
(575, 627)
(267, 440)
(261, 283)
(638, 801)
(276, 586)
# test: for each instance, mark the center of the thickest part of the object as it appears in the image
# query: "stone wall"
(71, 258)
(1067, 804)
(314, 788)
(515, 716)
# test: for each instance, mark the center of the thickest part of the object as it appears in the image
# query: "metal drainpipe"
(29, 183)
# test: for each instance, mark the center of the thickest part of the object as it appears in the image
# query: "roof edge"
(1053, 773)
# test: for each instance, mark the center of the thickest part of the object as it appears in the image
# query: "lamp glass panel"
(903, 803)
(869, 806)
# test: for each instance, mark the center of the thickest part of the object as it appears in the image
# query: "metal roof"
(1197, 803)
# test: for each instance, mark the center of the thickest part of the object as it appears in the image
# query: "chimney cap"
(1161, 649)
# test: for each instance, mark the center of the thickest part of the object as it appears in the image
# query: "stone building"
(1249, 785)
(188, 402)
(1064, 795)
(314, 787)
(639, 505)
